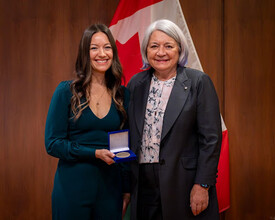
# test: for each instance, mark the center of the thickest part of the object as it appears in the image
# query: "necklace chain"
(97, 102)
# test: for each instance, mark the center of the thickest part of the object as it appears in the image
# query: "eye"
(93, 48)
(153, 46)
(169, 47)
(108, 48)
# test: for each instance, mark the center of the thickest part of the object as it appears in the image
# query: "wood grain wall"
(39, 42)
(250, 106)
(38, 46)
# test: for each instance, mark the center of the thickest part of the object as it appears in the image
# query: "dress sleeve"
(209, 131)
(56, 132)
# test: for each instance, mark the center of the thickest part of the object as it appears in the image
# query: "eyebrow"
(103, 45)
(169, 42)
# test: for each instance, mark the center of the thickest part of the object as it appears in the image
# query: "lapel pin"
(185, 87)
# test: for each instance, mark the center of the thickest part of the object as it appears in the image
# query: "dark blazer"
(190, 141)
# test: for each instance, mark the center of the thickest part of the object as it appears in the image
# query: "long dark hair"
(81, 85)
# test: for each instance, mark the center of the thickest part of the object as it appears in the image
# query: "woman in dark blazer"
(175, 131)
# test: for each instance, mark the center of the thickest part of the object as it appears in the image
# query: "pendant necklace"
(97, 102)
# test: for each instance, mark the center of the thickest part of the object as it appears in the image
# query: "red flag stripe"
(127, 8)
(223, 189)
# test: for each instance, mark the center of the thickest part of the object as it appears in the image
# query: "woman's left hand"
(198, 199)
(126, 201)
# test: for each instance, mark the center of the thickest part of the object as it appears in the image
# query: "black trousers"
(149, 201)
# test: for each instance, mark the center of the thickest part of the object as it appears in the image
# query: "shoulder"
(64, 86)
(138, 78)
(196, 76)
(201, 82)
(126, 93)
(63, 90)
(125, 90)
(193, 73)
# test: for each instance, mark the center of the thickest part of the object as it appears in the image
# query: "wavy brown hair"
(80, 87)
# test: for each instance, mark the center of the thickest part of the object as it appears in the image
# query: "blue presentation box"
(119, 145)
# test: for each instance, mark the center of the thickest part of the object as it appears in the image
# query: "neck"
(163, 76)
(98, 78)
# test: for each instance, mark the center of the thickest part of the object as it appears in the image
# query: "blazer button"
(161, 161)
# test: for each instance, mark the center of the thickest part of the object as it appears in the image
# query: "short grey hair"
(172, 30)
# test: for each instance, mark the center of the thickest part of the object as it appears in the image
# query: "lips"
(102, 61)
(162, 60)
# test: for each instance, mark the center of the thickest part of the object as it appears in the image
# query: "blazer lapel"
(176, 101)
(141, 93)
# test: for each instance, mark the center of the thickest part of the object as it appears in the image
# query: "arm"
(126, 201)
(210, 134)
(56, 132)
(125, 167)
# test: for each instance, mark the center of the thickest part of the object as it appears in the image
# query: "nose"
(161, 51)
(101, 52)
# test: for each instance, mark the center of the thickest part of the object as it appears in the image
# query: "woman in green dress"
(88, 184)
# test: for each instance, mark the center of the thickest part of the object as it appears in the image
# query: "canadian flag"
(128, 27)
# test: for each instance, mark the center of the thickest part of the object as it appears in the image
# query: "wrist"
(97, 153)
(205, 186)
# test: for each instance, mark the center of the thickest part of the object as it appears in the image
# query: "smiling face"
(101, 53)
(163, 53)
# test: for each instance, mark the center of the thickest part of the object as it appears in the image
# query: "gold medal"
(122, 154)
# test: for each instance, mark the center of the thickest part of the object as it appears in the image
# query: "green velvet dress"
(84, 187)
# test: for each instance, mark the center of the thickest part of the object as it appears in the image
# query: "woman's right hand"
(105, 155)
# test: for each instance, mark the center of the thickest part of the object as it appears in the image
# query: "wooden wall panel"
(205, 23)
(249, 107)
(39, 42)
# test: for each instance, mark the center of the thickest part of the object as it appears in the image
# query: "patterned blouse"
(159, 94)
